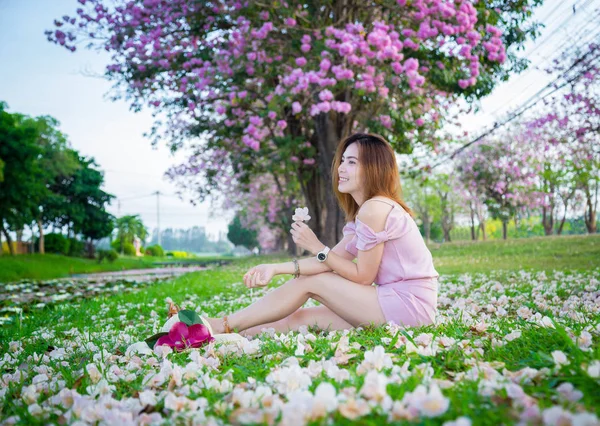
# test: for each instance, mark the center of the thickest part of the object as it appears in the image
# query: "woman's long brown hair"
(379, 171)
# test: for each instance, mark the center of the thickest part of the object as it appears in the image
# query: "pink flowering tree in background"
(503, 172)
(568, 130)
(274, 86)
(263, 204)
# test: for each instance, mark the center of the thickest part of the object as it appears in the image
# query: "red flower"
(181, 336)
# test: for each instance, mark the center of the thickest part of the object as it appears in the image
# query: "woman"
(380, 233)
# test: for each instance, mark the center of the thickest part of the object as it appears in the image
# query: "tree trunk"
(330, 129)
(548, 219)
(566, 207)
(482, 227)
(504, 229)
(473, 238)
(447, 215)
(91, 252)
(41, 246)
(291, 245)
(8, 240)
(280, 243)
(562, 223)
(590, 215)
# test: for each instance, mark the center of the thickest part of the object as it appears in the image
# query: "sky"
(39, 78)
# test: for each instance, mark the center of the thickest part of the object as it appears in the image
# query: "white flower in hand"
(301, 215)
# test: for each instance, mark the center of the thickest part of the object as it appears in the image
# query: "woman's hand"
(259, 276)
(305, 238)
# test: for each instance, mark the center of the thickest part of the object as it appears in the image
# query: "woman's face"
(349, 171)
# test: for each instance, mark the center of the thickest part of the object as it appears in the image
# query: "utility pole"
(158, 215)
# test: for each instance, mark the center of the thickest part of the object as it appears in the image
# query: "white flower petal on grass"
(139, 348)
(354, 408)
(461, 421)
(148, 397)
(584, 341)
(546, 322)
(585, 419)
(560, 358)
(30, 394)
(430, 404)
(594, 369)
(326, 395)
(376, 359)
(568, 391)
(374, 387)
(93, 372)
(289, 379)
(35, 410)
(513, 335)
(556, 416)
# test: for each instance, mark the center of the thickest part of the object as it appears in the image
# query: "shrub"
(128, 248)
(110, 255)
(155, 250)
(55, 243)
(178, 254)
(76, 247)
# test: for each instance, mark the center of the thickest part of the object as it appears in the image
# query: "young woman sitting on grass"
(380, 233)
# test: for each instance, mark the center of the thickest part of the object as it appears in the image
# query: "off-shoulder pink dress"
(406, 279)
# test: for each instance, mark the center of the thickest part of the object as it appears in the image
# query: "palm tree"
(128, 227)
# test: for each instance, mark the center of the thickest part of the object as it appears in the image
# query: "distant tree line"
(193, 240)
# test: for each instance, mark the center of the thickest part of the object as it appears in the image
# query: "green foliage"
(56, 243)
(22, 186)
(241, 236)
(46, 182)
(127, 228)
(76, 247)
(178, 254)
(126, 248)
(155, 250)
(110, 255)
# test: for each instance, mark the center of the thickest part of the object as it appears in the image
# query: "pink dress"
(406, 279)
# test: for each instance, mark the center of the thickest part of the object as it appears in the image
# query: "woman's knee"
(312, 285)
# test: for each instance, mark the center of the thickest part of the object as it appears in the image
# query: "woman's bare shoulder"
(374, 214)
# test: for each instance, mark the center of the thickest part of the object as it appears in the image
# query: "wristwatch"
(322, 255)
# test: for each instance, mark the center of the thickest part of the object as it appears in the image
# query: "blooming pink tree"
(567, 130)
(504, 173)
(276, 85)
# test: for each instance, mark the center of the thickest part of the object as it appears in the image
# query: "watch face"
(321, 256)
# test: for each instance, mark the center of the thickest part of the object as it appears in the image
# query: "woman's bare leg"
(357, 304)
(319, 316)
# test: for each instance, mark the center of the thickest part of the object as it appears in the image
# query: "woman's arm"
(311, 266)
(365, 269)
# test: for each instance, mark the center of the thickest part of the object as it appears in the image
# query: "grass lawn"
(509, 346)
(580, 252)
(49, 266)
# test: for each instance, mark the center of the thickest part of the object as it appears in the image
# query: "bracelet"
(296, 268)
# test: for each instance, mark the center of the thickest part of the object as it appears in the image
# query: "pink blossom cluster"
(148, 39)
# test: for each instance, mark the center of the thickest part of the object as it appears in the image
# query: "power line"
(524, 107)
(539, 65)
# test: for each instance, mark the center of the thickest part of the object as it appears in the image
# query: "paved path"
(133, 274)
